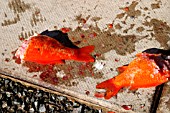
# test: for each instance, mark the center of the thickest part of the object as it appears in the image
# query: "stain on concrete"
(104, 41)
(24, 35)
(121, 15)
(118, 26)
(131, 12)
(140, 29)
(7, 22)
(18, 6)
(155, 6)
(37, 18)
(161, 31)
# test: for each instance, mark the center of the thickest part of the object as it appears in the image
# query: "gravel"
(17, 98)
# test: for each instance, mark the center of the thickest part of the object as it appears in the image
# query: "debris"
(99, 94)
(110, 26)
(126, 9)
(60, 74)
(65, 30)
(127, 107)
(98, 65)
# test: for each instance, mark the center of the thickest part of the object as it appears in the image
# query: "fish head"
(21, 50)
(161, 59)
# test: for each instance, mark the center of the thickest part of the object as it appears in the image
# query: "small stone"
(22, 106)
(32, 99)
(16, 103)
(61, 98)
(8, 94)
(39, 94)
(4, 105)
(42, 108)
(23, 93)
(76, 105)
(0, 96)
(19, 95)
(31, 110)
(35, 103)
(53, 97)
(27, 99)
(51, 108)
(11, 85)
(11, 110)
(6, 82)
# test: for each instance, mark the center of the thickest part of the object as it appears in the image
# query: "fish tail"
(110, 87)
(84, 54)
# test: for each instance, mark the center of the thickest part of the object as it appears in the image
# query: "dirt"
(14, 20)
(121, 15)
(140, 29)
(126, 30)
(81, 20)
(24, 35)
(131, 12)
(118, 26)
(36, 17)
(105, 41)
(155, 6)
(160, 31)
(18, 6)
(72, 70)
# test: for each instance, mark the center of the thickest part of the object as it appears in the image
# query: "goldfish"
(44, 49)
(150, 68)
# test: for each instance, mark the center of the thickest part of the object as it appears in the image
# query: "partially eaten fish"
(43, 49)
(150, 68)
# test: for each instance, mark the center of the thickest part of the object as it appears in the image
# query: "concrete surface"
(144, 24)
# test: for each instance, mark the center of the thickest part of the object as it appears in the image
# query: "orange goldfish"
(150, 68)
(43, 49)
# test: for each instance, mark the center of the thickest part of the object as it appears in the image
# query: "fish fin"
(84, 54)
(110, 87)
(122, 69)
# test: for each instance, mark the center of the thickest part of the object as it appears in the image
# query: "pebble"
(17, 98)
(31, 110)
(4, 104)
(8, 94)
(42, 108)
